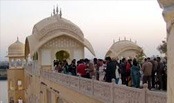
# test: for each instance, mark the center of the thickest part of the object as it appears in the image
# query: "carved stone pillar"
(168, 14)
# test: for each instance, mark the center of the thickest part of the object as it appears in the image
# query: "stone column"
(168, 14)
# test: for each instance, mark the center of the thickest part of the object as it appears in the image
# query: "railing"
(32, 68)
(154, 97)
(106, 92)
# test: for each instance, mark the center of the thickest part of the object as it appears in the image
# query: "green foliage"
(140, 56)
(162, 48)
(62, 55)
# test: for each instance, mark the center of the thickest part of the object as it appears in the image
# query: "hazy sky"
(101, 22)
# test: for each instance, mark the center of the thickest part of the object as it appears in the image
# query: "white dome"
(16, 49)
(55, 23)
(52, 27)
(124, 48)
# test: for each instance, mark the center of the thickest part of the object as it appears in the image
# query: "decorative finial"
(54, 10)
(17, 39)
(60, 13)
(57, 9)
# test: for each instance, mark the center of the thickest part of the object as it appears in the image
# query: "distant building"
(123, 48)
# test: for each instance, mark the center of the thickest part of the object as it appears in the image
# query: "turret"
(16, 72)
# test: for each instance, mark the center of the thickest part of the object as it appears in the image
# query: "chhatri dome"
(16, 49)
(124, 48)
(54, 34)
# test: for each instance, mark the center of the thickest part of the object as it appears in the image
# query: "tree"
(140, 56)
(162, 48)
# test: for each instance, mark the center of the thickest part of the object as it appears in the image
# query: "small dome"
(50, 28)
(124, 48)
(56, 23)
(16, 49)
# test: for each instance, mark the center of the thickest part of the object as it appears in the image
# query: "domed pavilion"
(16, 54)
(56, 38)
(124, 48)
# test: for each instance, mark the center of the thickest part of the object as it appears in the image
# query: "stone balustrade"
(106, 92)
(32, 68)
(102, 91)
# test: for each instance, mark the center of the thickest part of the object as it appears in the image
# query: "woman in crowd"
(135, 74)
(101, 69)
(117, 73)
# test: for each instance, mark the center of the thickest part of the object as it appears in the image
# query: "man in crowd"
(160, 72)
(81, 68)
(154, 68)
(110, 69)
(123, 71)
(147, 71)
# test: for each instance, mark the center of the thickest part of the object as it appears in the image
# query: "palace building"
(53, 38)
(32, 78)
(56, 38)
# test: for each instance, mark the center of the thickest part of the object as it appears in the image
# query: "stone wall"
(168, 14)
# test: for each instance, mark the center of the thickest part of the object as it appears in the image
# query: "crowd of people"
(128, 72)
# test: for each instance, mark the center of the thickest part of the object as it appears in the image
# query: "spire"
(54, 10)
(60, 13)
(57, 9)
(17, 39)
(124, 38)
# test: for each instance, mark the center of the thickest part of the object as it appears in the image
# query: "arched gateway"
(62, 55)
(56, 38)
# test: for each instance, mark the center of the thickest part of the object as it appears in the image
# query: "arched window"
(35, 56)
(11, 100)
(62, 55)
(12, 63)
(18, 63)
(48, 96)
(19, 85)
(20, 100)
(11, 86)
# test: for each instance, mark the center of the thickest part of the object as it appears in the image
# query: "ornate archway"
(62, 55)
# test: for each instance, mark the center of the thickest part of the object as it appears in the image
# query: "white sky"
(100, 21)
